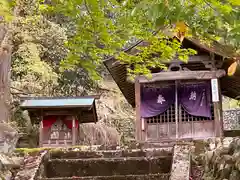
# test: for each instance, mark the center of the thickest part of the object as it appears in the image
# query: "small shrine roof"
(83, 107)
(62, 102)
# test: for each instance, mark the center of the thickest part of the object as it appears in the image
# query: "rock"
(223, 162)
(234, 175)
(236, 155)
(226, 171)
(30, 168)
(228, 159)
(5, 175)
(8, 163)
(237, 164)
(227, 141)
(223, 151)
(18, 161)
(209, 156)
(212, 145)
(8, 138)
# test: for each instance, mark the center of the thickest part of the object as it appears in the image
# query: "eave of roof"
(71, 102)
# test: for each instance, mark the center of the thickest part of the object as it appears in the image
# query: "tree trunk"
(5, 66)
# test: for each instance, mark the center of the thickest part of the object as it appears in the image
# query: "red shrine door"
(58, 131)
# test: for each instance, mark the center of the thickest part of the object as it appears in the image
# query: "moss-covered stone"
(107, 166)
(71, 154)
(223, 162)
(117, 177)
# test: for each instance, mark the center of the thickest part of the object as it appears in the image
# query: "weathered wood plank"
(218, 118)
(202, 129)
(74, 131)
(41, 132)
(138, 116)
(182, 75)
(176, 109)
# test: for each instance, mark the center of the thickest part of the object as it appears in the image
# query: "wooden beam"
(94, 113)
(60, 97)
(217, 108)
(182, 75)
(73, 131)
(176, 109)
(41, 133)
(221, 111)
(218, 119)
(138, 116)
(59, 113)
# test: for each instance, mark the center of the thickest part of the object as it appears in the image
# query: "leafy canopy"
(104, 27)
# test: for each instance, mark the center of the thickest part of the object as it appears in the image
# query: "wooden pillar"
(176, 109)
(221, 111)
(216, 99)
(138, 124)
(41, 133)
(73, 131)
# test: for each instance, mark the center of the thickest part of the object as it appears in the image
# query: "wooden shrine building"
(182, 102)
(59, 118)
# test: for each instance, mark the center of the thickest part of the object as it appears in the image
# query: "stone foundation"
(78, 154)
(135, 164)
(221, 159)
(231, 120)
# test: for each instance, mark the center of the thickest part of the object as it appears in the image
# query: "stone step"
(181, 163)
(232, 133)
(110, 153)
(116, 177)
(107, 166)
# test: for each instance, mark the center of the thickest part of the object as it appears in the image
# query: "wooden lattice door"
(176, 123)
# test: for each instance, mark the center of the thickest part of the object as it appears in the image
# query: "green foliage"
(100, 29)
(103, 28)
(38, 48)
(207, 19)
(162, 49)
(5, 11)
(29, 72)
(33, 151)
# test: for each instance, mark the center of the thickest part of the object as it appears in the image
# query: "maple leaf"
(232, 68)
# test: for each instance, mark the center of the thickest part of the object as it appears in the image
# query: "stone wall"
(8, 138)
(231, 120)
(222, 160)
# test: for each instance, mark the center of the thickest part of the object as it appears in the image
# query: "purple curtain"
(155, 101)
(195, 99)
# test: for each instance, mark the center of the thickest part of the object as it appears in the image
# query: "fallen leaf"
(232, 69)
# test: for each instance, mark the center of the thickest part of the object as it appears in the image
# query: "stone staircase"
(148, 164)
